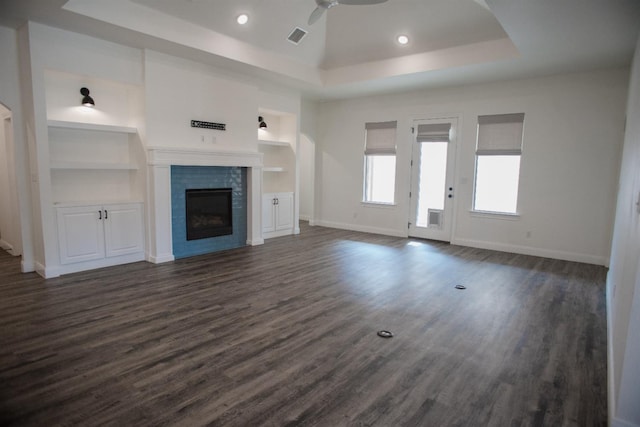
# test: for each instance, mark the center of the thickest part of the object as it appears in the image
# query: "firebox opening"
(208, 213)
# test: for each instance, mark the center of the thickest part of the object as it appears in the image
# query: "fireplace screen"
(208, 213)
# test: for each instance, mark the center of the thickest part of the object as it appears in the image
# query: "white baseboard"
(278, 233)
(527, 250)
(502, 247)
(362, 228)
(160, 259)
(39, 268)
(305, 217)
(27, 266)
(6, 246)
(99, 263)
(255, 242)
(611, 392)
(46, 272)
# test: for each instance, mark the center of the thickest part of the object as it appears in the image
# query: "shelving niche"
(93, 163)
(277, 143)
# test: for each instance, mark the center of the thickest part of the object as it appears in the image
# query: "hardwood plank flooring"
(284, 334)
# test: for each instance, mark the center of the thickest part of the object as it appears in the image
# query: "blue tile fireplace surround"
(200, 177)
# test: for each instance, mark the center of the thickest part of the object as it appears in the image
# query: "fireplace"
(208, 213)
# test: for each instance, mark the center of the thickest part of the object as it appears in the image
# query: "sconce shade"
(262, 125)
(87, 101)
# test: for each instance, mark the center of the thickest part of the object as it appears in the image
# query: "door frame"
(456, 136)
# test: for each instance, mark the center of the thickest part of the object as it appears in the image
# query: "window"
(498, 153)
(380, 162)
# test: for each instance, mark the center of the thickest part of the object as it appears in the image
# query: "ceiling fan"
(323, 5)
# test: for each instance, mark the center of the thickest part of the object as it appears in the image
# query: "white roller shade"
(500, 134)
(433, 132)
(381, 138)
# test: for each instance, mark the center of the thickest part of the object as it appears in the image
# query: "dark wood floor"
(284, 334)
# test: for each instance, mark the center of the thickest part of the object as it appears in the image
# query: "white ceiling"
(346, 35)
(351, 50)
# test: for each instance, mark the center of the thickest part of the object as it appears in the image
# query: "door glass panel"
(432, 179)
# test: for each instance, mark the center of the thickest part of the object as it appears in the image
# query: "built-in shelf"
(90, 126)
(274, 143)
(94, 166)
(273, 169)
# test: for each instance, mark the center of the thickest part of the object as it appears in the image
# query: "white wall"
(8, 199)
(10, 97)
(116, 103)
(178, 91)
(307, 171)
(572, 140)
(310, 112)
(623, 284)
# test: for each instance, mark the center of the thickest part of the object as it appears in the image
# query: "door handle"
(100, 215)
(106, 215)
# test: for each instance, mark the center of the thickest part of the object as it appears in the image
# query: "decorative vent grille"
(208, 125)
(296, 35)
(434, 218)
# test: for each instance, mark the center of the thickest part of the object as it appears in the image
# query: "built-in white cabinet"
(92, 198)
(277, 214)
(97, 191)
(277, 143)
(112, 233)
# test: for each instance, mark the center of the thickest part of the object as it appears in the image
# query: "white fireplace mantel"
(202, 157)
(160, 159)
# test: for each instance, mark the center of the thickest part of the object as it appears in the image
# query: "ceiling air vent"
(296, 35)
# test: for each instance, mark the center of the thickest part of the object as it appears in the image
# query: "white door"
(432, 175)
(268, 207)
(284, 211)
(80, 233)
(123, 229)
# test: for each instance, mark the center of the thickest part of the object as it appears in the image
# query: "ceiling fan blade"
(315, 15)
(360, 2)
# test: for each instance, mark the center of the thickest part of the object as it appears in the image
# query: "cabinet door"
(80, 234)
(284, 211)
(268, 219)
(123, 230)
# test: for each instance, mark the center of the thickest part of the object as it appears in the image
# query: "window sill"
(495, 215)
(381, 205)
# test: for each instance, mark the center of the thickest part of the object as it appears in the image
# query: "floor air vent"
(296, 35)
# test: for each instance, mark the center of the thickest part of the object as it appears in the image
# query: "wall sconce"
(87, 101)
(262, 124)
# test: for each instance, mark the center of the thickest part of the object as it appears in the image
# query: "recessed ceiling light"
(403, 39)
(243, 19)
